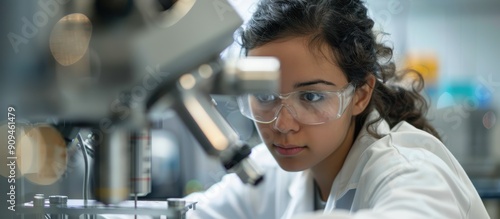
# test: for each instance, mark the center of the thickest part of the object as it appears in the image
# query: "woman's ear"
(363, 95)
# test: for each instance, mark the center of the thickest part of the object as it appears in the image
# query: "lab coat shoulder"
(230, 198)
(403, 150)
(406, 174)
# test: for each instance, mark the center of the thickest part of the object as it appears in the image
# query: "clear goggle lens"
(307, 107)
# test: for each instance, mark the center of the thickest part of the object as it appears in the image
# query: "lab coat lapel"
(347, 180)
(301, 195)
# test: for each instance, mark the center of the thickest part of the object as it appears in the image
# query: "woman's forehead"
(300, 63)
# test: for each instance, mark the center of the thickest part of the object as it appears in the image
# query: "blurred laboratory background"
(455, 44)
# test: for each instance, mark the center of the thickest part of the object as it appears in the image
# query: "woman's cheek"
(265, 131)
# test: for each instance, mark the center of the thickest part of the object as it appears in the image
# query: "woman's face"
(296, 146)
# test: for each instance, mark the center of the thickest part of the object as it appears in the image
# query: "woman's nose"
(285, 122)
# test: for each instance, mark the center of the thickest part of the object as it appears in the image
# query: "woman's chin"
(291, 166)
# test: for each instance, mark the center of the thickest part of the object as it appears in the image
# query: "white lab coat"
(406, 174)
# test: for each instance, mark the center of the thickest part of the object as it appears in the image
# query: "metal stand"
(75, 207)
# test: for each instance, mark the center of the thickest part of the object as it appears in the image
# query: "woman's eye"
(312, 96)
(265, 97)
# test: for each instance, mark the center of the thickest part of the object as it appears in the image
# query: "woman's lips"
(288, 150)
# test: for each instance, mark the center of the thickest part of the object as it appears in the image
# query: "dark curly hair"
(345, 26)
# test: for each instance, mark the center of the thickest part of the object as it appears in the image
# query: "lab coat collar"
(348, 177)
(301, 189)
(301, 192)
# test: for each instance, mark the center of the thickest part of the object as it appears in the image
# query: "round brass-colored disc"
(42, 155)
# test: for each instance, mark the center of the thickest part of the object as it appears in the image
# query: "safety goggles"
(307, 107)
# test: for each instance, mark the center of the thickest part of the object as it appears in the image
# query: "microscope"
(102, 73)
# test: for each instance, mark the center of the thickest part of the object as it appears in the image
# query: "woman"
(346, 141)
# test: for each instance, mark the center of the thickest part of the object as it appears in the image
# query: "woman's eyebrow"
(308, 83)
